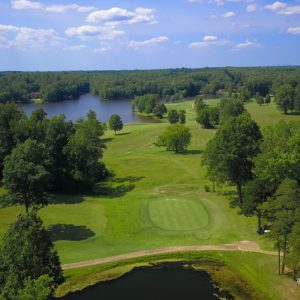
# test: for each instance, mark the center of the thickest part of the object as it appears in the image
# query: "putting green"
(175, 214)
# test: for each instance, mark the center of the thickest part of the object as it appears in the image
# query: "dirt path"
(247, 246)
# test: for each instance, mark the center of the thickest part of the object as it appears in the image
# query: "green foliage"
(231, 108)
(159, 110)
(176, 138)
(27, 174)
(115, 123)
(26, 253)
(284, 97)
(280, 210)
(84, 151)
(38, 289)
(9, 115)
(230, 153)
(181, 115)
(199, 104)
(173, 116)
(280, 153)
(268, 99)
(208, 117)
(259, 99)
(146, 103)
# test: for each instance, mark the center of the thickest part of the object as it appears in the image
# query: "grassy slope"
(119, 218)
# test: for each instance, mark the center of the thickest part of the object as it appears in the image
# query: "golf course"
(157, 199)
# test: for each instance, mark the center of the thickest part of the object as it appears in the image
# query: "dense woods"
(170, 84)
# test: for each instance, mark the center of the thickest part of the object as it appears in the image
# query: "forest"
(170, 84)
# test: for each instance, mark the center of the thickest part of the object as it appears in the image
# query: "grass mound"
(175, 214)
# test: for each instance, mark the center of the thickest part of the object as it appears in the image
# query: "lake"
(74, 109)
(169, 283)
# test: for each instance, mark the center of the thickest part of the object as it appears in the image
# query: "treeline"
(265, 169)
(171, 84)
(48, 155)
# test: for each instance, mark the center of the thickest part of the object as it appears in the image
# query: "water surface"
(168, 283)
(75, 109)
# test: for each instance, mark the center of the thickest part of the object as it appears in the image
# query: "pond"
(171, 282)
(74, 109)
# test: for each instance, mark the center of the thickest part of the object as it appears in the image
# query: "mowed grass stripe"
(178, 214)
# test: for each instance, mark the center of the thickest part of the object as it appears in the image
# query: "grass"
(132, 212)
(149, 202)
(244, 275)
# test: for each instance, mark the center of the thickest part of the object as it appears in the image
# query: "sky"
(129, 34)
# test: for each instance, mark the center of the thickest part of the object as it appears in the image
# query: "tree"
(268, 99)
(203, 117)
(37, 289)
(259, 99)
(27, 174)
(173, 116)
(229, 155)
(293, 258)
(115, 123)
(280, 211)
(58, 132)
(231, 108)
(159, 110)
(284, 97)
(176, 138)
(280, 153)
(84, 151)
(199, 104)
(182, 118)
(27, 252)
(297, 98)
(9, 116)
(255, 193)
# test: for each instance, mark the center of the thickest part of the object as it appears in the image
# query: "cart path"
(246, 246)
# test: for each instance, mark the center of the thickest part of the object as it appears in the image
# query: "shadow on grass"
(122, 133)
(107, 140)
(192, 152)
(130, 179)
(65, 199)
(107, 190)
(69, 232)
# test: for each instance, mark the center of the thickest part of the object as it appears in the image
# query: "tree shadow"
(192, 152)
(65, 199)
(123, 133)
(107, 190)
(107, 140)
(130, 179)
(69, 232)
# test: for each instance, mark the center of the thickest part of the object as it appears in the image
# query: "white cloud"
(151, 42)
(25, 4)
(209, 41)
(283, 8)
(75, 47)
(251, 8)
(218, 2)
(208, 38)
(26, 37)
(94, 32)
(117, 15)
(229, 14)
(246, 44)
(55, 8)
(294, 30)
(101, 49)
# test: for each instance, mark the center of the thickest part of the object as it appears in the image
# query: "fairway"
(174, 214)
(155, 199)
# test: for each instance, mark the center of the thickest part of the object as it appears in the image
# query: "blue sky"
(131, 34)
